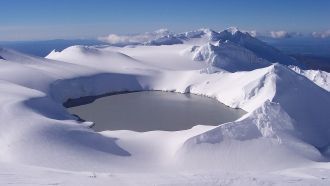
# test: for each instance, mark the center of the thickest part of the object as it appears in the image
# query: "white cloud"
(253, 33)
(280, 34)
(324, 34)
(134, 39)
(273, 34)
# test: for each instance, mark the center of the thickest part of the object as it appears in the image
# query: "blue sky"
(50, 19)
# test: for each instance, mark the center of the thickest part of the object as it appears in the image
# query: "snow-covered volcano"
(284, 137)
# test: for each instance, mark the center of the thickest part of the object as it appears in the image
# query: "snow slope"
(260, 48)
(228, 56)
(283, 139)
(321, 78)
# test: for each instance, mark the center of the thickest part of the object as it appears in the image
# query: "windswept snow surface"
(284, 138)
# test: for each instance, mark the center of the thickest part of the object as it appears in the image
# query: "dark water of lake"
(154, 110)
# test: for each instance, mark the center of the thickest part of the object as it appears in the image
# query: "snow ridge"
(321, 78)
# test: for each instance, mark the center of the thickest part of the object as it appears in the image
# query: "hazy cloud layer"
(280, 34)
(134, 38)
(116, 39)
(325, 34)
(283, 34)
(253, 33)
